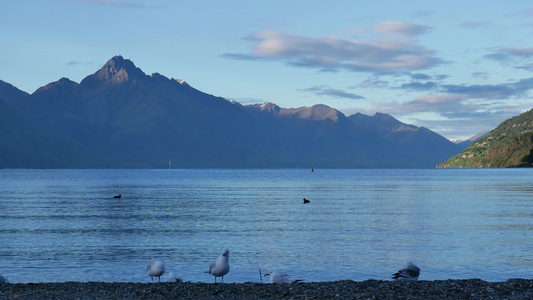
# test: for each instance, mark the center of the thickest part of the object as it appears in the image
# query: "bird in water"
(410, 272)
(280, 277)
(306, 201)
(155, 268)
(220, 267)
(118, 196)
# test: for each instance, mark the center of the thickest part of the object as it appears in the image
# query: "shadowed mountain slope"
(28, 145)
(131, 119)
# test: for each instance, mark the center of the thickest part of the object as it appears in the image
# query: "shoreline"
(345, 289)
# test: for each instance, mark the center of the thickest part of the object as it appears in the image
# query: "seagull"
(410, 272)
(155, 268)
(220, 267)
(118, 196)
(280, 277)
(306, 201)
(172, 277)
(3, 279)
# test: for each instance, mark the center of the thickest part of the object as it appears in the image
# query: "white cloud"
(401, 28)
(331, 92)
(395, 51)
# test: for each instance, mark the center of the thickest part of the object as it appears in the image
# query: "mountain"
(472, 139)
(9, 93)
(28, 145)
(510, 144)
(131, 119)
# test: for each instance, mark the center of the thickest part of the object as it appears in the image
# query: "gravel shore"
(346, 289)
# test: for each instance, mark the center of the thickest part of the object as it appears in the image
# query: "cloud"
(395, 51)
(453, 110)
(73, 63)
(522, 58)
(326, 91)
(503, 54)
(452, 115)
(491, 92)
(420, 76)
(482, 75)
(474, 24)
(440, 77)
(418, 86)
(484, 92)
(527, 67)
(400, 28)
(372, 83)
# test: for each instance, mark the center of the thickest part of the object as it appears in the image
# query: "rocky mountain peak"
(116, 71)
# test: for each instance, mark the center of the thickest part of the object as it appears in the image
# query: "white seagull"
(280, 277)
(410, 272)
(220, 267)
(172, 277)
(155, 268)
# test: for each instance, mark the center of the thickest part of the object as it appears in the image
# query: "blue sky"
(455, 67)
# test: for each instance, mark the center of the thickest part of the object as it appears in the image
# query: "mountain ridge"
(131, 119)
(510, 144)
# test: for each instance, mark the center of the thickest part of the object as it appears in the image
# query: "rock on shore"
(347, 289)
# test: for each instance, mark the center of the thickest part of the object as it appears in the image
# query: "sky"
(456, 67)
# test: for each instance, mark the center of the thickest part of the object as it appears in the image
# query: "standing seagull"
(155, 268)
(280, 277)
(410, 272)
(220, 267)
(3, 279)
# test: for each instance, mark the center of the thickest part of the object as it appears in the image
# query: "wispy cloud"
(493, 92)
(484, 92)
(420, 76)
(482, 75)
(474, 24)
(373, 84)
(395, 50)
(401, 28)
(418, 86)
(330, 92)
(521, 58)
(449, 104)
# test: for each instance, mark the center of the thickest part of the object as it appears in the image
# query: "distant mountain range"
(509, 145)
(119, 117)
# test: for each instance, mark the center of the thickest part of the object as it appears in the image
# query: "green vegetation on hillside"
(508, 145)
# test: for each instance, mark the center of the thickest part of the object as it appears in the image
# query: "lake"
(65, 225)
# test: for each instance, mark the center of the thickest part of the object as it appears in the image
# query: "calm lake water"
(65, 225)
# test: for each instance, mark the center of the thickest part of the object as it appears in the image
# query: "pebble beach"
(346, 289)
